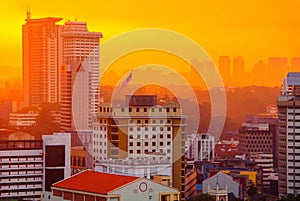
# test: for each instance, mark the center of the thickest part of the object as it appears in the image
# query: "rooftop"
(94, 182)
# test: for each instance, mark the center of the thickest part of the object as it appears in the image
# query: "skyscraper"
(80, 76)
(289, 136)
(40, 60)
(224, 68)
(238, 70)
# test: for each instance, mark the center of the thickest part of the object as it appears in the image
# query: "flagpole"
(132, 87)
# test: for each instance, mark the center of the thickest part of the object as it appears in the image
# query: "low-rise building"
(89, 186)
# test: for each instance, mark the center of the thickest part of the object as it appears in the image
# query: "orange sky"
(254, 29)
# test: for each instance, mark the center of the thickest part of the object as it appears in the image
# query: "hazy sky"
(254, 29)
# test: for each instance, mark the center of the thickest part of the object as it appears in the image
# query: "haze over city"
(158, 100)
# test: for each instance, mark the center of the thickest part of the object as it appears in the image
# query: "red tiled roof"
(94, 182)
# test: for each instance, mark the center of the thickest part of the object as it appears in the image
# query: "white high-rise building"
(201, 147)
(79, 76)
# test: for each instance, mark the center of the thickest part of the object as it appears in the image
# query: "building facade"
(110, 187)
(41, 41)
(28, 167)
(142, 130)
(201, 147)
(79, 76)
(289, 136)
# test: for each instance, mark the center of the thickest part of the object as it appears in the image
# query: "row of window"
(153, 128)
(161, 136)
(131, 144)
(100, 151)
(146, 151)
(160, 109)
(147, 121)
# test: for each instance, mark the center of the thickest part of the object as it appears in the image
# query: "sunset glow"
(255, 30)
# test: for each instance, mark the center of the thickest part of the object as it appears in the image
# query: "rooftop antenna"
(28, 12)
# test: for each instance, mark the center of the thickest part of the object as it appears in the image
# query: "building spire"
(28, 12)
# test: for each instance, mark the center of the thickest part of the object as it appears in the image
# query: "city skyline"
(221, 28)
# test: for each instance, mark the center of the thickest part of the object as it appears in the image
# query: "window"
(138, 151)
(169, 129)
(146, 121)
(138, 128)
(138, 143)
(153, 143)
(130, 128)
(146, 143)
(174, 109)
(153, 121)
(161, 144)
(137, 109)
(161, 128)
(131, 144)
(161, 121)
(153, 136)
(130, 109)
(138, 121)
(146, 136)
(168, 121)
(146, 129)
(130, 136)
(152, 109)
(168, 136)
(122, 110)
(153, 129)
(131, 151)
(168, 109)
(160, 109)
(145, 109)
(161, 136)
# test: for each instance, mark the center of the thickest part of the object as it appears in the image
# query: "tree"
(236, 199)
(45, 122)
(290, 198)
(252, 192)
(204, 197)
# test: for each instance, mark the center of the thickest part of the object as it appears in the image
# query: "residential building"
(289, 136)
(144, 133)
(79, 76)
(256, 138)
(89, 185)
(265, 162)
(190, 181)
(23, 120)
(201, 147)
(28, 167)
(40, 43)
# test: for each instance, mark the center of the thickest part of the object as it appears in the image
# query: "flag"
(127, 80)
